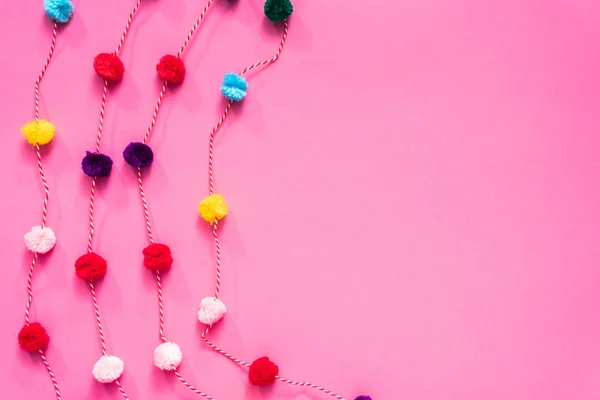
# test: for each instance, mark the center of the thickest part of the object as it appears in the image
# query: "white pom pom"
(40, 240)
(167, 356)
(108, 369)
(211, 310)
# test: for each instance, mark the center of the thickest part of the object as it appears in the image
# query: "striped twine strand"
(34, 260)
(98, 319)
(215, 234)
(103, 102)
(52, 377)
(191, 387)
(193, 30)
(145, 207)
(43, 72)
(127, 26)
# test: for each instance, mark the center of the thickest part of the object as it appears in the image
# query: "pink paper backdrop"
(413, 190)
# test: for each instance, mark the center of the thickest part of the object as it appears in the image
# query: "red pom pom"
(90, 266)
(263, 371)
(109, 66)
(157, 257)
(171, 69)
(33, 337)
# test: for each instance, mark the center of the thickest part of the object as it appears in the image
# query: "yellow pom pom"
(213, 208)
(38, 132)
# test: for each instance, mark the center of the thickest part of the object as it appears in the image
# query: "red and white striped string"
(145, 208)
(40, 168)
(93, 190)
(215, 227)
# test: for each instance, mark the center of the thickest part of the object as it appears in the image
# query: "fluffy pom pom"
(213, 208)
(90, 266)
(171, 69)
(96, 165)
(263, 371)
(234, 87)
(33, 337)
(211, 310)
(167, 356)
(40, 240)
(59, 10)
(38, 132)
(157, 257)
(278, 10)
(363, 398)
(109, 66)
(108, 369)
(138, 155)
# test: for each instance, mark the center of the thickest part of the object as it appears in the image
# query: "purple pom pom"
(138, 154)
(96, 165)
(363, 398)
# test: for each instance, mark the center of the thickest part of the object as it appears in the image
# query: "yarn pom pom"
(108, 369)
(96, 165)
(167, 356)
(234, 87)
(109, 66)
(33, 337)
(211, 310)
(38, 132)
(157, 257)
(363, 398)
(171, 69)
(278, 10)
(59, 10)
(138, 155)
(40, 240)
(263, 371)
(90, 266)
(213, 208)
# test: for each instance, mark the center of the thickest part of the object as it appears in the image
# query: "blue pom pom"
(234, 87)
(59, 10)
(363, 398)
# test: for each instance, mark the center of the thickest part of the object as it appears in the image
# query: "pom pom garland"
(96, 165)
(90, 266)
(138, 155)
(33, 337)
(157, 257)
(263, 372)
(108, 369)
(211, 310)
(213, 208)
(60, 11)
(167, 356)
(38, 132)
(278, 10)
(234, 87)
(40, 240)
(109, 66)
(171, 69)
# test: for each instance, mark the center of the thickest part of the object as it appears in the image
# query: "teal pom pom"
(59, 10)
(278, 10)
(234, 87)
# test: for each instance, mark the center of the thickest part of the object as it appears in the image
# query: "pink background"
(413, 191)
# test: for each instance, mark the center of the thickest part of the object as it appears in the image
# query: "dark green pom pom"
(278, 10)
